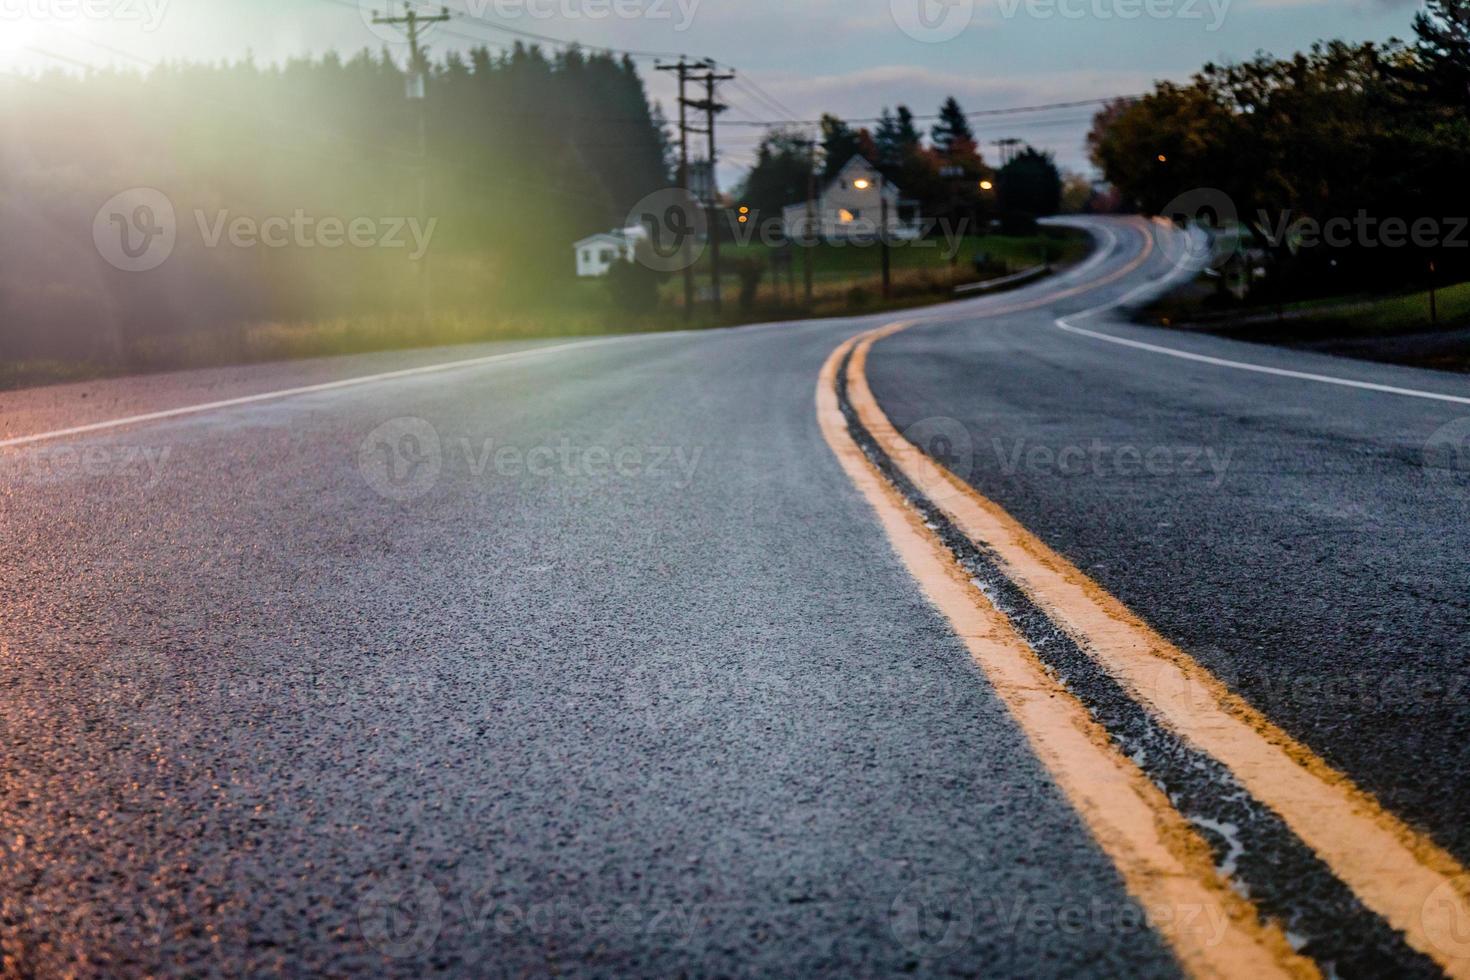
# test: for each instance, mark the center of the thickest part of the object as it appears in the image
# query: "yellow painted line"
(1414, 884)
(1165, 865)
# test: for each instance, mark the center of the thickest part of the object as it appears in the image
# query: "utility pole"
(711, 109)
(416, 91)
(1007, 149)
(811, 205)
(683, 68)
(1433, 299)
(883, 238)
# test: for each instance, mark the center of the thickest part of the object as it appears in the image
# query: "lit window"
(846, 216)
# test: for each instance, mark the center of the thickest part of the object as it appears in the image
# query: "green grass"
(846, 280)
(833, 263)
(1388, 315)
(1348, 316)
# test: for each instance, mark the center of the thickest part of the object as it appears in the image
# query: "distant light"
(861, 184)
(743, 219)
(986, 185)
(1163, 159)
(745, 210)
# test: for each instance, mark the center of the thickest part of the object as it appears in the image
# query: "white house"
(597, 253)
(851, 207)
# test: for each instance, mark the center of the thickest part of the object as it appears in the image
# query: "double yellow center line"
(1396, 872)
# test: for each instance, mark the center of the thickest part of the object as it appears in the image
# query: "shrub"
(634, 287)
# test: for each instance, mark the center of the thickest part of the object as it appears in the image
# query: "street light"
(986, 185)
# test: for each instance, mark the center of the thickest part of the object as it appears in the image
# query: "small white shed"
(597, 253)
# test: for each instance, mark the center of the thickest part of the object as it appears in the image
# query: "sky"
(795, 58)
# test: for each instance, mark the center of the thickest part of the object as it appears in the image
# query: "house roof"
(601, 237)
(860, 162)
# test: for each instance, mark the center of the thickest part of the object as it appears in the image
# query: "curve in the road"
(1402, 876)
(1162, 859)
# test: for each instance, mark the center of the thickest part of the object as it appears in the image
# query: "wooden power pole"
(810, 244)
(684, 70)
(711, 108)
(413, 23)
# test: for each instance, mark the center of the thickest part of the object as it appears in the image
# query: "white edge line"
(267, 396)
(1065, 323)
(366, 379)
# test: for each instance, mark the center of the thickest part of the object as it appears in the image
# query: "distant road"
(670, 654)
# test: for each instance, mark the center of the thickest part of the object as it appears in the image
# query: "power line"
(982, 113)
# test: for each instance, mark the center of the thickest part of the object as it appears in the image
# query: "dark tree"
(897, 138)
(953, 129)
(1443, 29)
(1031, 184)
(780, 175)
(840, 143)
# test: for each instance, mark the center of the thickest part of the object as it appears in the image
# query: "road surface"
(662, 655)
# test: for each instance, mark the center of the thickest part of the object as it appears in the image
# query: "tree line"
(1347, 163)
(526, 151)
(946, 176)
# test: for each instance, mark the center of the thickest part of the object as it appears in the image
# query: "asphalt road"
(591, 660)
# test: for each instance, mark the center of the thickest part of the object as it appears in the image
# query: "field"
(1397, 329)
(846, 281)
